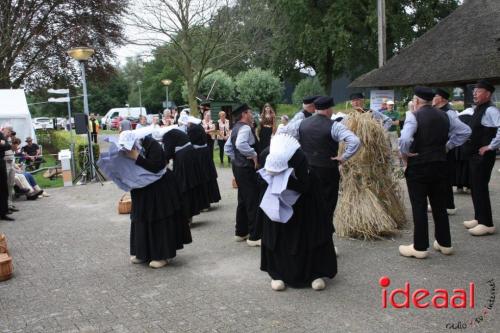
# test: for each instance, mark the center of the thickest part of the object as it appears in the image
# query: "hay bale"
(370, 205)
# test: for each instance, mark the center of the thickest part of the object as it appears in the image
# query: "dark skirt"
(187, 170)
(300, 269)
(159, 228)
(210, 185)
(265, 137)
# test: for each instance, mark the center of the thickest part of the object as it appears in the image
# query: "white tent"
(14, 111)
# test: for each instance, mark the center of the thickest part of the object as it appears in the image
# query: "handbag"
(125, 204)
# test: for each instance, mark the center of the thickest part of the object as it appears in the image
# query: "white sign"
(58, 100)
(377, 97)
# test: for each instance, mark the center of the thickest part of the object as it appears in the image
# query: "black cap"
(240, 109)
(310, 99)
(356, 96)
(443, 93)
(485, 84)
(424, 93)
(323, 103)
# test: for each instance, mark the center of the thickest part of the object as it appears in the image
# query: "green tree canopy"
(257, 87)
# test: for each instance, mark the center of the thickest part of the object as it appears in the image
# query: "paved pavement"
(72, 274)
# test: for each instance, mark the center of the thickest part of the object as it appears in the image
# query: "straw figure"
(371, 204)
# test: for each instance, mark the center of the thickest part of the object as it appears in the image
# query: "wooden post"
(382, 50)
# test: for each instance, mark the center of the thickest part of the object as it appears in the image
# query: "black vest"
(240, 160)
(316, 141)
(432, 134)
(481, 135)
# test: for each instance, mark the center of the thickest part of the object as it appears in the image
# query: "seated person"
(25, 181)
(23, 187)
(32, 154)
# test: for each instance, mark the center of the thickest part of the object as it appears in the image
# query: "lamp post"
(139, 84)
(166, 83)
(82, 54)
(68, 100)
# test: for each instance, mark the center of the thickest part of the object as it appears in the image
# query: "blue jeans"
(30, 178)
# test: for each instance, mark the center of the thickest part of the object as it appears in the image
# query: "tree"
(307, 87)
(203, 33)
(219, 85)
(35, 35)
(257, 87)
(340, 36)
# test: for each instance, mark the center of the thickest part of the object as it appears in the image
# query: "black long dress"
(198, 138)
(301, 250)
(186, 171)
(158, 228)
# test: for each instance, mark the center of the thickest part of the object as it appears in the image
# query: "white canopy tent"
(14, 111)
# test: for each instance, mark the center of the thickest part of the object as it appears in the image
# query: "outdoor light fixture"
(166, 83)
(83, 54)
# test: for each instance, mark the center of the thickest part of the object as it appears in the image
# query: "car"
(43, 123)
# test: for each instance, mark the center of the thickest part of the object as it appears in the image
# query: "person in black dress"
(187, 170)
(299, 252)
(267, 126)
(159, 227)
(198, 138)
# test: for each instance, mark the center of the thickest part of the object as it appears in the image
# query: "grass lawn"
(46, 182)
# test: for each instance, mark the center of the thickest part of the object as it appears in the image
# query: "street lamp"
(82, 54)
(139, 84)
(166, 83)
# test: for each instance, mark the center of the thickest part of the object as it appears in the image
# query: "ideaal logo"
(422, 298)
(460, 298)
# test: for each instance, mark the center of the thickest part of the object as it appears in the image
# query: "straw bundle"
(370, 205)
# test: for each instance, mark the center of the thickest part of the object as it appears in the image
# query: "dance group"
(288, 192)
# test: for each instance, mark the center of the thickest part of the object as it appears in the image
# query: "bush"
(307, 87)
(289, 109)
(60, 140)
(258, 87)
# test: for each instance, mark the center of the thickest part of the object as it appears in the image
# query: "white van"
(122, 112)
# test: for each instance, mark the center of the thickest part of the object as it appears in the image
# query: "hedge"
(60, 140)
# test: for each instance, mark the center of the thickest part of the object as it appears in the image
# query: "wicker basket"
(6, 267)
(125, 204)
(3, 244)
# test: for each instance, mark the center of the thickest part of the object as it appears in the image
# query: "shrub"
(257, 87)
(307, 87)
(60, 140)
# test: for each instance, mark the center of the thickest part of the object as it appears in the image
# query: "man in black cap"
(427, 135)
(483, 143)
(358, 103)
(319, 137)
(242, 149)
(441, 102)
(308, 109)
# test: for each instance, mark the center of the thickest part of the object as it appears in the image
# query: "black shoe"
(33, 196)
(6, 218)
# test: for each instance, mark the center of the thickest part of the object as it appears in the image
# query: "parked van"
(132, 113)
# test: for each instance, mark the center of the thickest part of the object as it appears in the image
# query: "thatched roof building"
(462, 48)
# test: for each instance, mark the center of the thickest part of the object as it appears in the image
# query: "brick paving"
(72, 274)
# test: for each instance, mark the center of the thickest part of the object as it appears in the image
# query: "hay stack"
(370, 205)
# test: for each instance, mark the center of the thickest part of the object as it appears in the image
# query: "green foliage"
(286, 109)
(257, 87)
(62, 140)
(223, 90)
(307, 87)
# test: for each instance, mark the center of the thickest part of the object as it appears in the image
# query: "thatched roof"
(460, 49)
